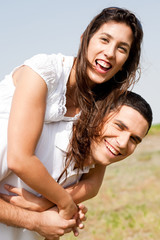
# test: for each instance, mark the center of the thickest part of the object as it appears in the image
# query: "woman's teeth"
(103, 64)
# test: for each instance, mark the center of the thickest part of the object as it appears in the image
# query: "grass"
(154, 129)
(127, 206)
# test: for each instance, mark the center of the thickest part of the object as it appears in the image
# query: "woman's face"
(108, 50)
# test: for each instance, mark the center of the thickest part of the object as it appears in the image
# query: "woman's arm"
(89, 185)
(29, 201)
(87, 188)
(24, 129)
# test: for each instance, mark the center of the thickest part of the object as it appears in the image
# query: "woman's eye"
(105, 39)
(123, 49)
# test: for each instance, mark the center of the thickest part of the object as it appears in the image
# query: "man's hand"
(51, 225)
(27, 200)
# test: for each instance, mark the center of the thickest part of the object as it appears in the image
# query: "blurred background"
(127, 207)
(30, 27)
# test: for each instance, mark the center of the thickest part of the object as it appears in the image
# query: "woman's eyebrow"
(110, 36)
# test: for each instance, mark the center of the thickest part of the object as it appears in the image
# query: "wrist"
(65, 202)
(34, 222)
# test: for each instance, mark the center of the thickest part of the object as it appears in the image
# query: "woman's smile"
(102, 66)
(108, 50)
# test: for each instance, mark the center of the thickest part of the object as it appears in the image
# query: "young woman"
(48, 88)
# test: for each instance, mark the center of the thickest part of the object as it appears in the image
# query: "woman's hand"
(25, 199)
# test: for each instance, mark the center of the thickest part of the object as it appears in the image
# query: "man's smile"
(111, 148)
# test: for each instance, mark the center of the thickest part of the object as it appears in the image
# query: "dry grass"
(127, 206)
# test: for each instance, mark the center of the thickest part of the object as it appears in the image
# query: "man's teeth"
(103, 64)
(111, 149)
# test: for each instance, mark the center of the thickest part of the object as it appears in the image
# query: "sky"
(29, 27)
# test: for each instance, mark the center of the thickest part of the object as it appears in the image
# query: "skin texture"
(120, 136)
(30, 100)
(87, 188)
(123, 130)
(48, 224)
(23, 138)
(108, 50)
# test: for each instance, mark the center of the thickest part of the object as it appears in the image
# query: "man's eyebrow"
(125, 127)
(122, 123)
(108, 35)
(138, 138)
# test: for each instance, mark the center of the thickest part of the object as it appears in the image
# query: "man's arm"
(11, 216)
(89, 185)
(87, 188)
(48, 224)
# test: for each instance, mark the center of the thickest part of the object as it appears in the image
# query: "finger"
(68, 230)
(53, 238)
(83, 208)
(71, 223)
(5, 197)
(82, 216)
(75, 231)
(12, 189)
(82, 211)
(79, 224)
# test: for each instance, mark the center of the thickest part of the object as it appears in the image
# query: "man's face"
(121, 134)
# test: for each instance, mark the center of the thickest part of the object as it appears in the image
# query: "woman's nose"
(110, 51)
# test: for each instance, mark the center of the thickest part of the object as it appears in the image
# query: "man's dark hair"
(138, 103)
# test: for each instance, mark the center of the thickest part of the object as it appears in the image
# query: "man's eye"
(134, 140)
(119, 126)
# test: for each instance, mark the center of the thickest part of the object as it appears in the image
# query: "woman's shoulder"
(43, 60)
(49, 66)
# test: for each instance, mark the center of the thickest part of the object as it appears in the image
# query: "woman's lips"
(103, 65)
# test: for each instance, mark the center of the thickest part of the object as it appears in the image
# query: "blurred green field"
(155, 129)
(128, 204)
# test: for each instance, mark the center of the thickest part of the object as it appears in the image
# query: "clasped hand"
(52, 225)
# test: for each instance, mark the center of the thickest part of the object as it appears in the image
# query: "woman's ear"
(81, 37)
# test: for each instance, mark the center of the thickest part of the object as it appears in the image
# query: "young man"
(123, 129)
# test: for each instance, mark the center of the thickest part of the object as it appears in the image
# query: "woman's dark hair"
(124, 78)
(93, 102)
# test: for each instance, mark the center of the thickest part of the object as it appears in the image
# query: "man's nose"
(123, 141)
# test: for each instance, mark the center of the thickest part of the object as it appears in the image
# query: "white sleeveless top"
(54, 70)
(52, 146)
